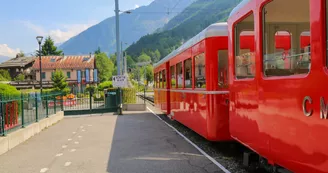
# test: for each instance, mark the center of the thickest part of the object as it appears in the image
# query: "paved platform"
(137, 142)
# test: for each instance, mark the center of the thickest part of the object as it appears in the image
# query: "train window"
(180, 76)
(160, 80)
(155, 80)
(164, 78)
(187, 73)
(286, 38)
(200, 72)
(173, 83)
(244, 48)
(223, 68)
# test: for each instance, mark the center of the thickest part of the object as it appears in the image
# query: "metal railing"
(20, 110)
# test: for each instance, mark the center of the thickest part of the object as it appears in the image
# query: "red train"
(259, 80)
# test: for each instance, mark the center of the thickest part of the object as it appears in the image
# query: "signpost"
(120, 81)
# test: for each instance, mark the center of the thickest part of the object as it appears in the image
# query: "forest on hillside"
(182, 27)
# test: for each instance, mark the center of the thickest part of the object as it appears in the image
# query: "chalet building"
(80, 70)
(19, 65)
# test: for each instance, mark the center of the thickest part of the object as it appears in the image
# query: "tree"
(105, 67)
(149, 74)
(98, 51)
(157, 56)
(20, 77)
(130, 62)
(59, 82)
(49, 48)
(4, 75)
(21, 54)
(144, 58)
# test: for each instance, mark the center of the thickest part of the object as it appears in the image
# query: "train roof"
(214, 30)
(239, 6)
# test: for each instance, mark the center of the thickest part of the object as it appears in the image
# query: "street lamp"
(39, 39)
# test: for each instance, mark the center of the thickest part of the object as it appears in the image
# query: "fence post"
(90, 100)
(2, 117)
(55, 105)
(62, 102)
(47, 105)
(22, 107)
(36, 108)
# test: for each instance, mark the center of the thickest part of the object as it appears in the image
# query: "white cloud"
(63, 33)
(5, 50)
(136, 6)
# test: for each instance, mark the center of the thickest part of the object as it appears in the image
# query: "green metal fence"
(18, 111)
(92, 102)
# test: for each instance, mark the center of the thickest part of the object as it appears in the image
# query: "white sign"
(120, 81)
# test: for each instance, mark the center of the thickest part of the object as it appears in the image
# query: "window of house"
(173, 80)
(83, 74)
(223, 68)
(68, 74)
(187, 73)
(179, 75)
(286, 38)
(245, 48)
(200, 71)
(43, 75)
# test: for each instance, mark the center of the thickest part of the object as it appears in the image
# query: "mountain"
(182, 27)
(141, 21)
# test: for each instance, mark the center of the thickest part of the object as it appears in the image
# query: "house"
(19, 65)
(79, 69)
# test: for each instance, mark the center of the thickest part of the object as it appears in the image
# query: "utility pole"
(118, 52)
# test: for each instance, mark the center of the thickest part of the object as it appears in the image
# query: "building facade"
(80, 70)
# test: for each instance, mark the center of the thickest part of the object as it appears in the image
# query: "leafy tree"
(4, 75)
(20, 77)
(21, 54)
(105, 67)
(49, 48)
(130, 61)
(105, 85)
(98, 51)
(144, 58)
(59, 82)
(149, 70)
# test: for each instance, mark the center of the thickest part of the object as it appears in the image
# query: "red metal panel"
(266, 114)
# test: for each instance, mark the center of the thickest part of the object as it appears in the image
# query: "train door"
(243, 88)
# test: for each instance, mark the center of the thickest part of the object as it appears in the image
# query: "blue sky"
(22, 20)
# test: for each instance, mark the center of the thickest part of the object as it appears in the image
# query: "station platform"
(136, 142)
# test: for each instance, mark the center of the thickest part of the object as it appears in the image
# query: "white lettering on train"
(323, 109)
(309, 112)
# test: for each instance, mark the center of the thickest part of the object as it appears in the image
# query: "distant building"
(80, 70)
(19, 65)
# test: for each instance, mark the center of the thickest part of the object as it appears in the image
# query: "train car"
(195, 90)
(279, 109)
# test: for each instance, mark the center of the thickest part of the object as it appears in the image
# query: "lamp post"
(39, 39)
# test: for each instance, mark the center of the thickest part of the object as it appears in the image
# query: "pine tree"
(49, 48)
(59, 82)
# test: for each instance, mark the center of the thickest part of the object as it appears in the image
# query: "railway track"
(229, 154)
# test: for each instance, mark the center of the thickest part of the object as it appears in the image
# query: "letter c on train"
(306, 112)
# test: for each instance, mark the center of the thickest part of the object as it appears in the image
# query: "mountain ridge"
(142, 21)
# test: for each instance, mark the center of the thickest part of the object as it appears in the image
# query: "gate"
(91, 102)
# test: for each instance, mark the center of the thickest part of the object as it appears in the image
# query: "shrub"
(105, 85)
(129, 95)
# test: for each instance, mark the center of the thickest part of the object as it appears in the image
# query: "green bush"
(129, 95)
(105, 85)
